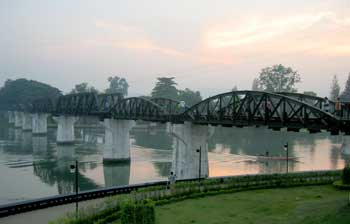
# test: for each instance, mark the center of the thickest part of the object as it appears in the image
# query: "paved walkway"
(43, 216)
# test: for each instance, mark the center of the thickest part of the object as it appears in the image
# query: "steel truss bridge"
(237, 108)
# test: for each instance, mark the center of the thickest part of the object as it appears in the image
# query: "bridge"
(190, 126)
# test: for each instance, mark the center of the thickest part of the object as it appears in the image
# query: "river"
(35, 166)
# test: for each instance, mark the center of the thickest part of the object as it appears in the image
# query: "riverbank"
(110, 210)
(309, 204)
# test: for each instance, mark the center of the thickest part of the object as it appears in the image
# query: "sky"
(207, 45)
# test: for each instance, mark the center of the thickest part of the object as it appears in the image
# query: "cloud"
(319, 33)
(130, 37)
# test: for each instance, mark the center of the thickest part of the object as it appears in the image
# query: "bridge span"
(190, 126)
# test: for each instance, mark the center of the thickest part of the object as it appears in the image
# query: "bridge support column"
(18, 119)
(27, 121)
(188, 139)
(11, 116)
(39, 124)
(117, 142)
(65, 130)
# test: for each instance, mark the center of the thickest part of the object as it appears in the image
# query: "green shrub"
(346, 175)
(149, 214)
(128, 213)
(138, 213)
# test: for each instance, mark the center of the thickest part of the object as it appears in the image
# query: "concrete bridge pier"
(187, 140)
(18, 119)
(65, 129)
(27, 121)
(39, 124)
(117, 142)
(11, 116)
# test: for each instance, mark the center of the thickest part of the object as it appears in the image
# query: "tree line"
(277, 78)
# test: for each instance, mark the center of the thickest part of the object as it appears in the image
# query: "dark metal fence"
(41, 203)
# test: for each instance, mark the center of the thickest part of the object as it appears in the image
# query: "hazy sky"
(207, 45)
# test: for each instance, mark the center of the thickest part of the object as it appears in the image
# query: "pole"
(76, 188)
(199, 163)
(287, 156)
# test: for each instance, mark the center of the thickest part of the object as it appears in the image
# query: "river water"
(34, 166)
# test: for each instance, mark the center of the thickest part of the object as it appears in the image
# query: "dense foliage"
(335, 89)
(278, 78)
(345, 95)
(22, 91)
(84, 88)
(189, 96)
(118, 85)
(346, 175)
(166, 88)
(138, 213)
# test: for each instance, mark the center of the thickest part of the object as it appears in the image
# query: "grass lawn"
(315, 204)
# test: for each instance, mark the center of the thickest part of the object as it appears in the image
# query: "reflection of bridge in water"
(191, 127)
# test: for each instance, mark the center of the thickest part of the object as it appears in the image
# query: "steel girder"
(44, 105)
(244, 108)
(78, 104)
(312, 100)
(139, 108)
(87, 104)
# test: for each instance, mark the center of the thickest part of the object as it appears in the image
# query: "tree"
(83, 88)
(335, 88)
(118, 85)
(23, 91)
(235, 88)
(278, 79)
(310, 93)
(166, 88)
(189, 96)
(255, 85)
(345, 95)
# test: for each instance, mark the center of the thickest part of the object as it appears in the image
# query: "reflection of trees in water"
(153, 139)
(335, 156)
(21, 143)
(255, 141)
(163, 168)
(275, 166)
(88, 136)
(346, 159)
(58, 172)
(116, 174)
(6, 131)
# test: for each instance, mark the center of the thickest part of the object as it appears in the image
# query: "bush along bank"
(112, 208)
(344, 183)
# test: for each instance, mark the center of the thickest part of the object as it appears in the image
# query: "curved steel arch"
(312, 100)
(245, 108)
(139, 108)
